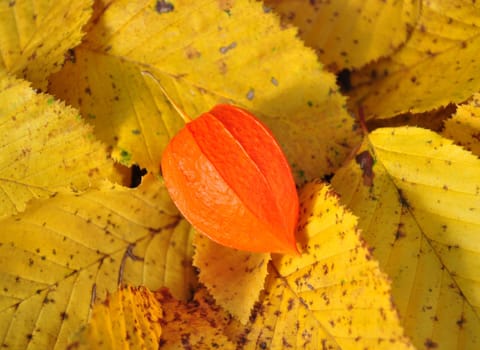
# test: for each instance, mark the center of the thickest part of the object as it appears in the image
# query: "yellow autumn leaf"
(202, 54)
(198, 324)
(234, 278)
(35, 36)
(45, 148)
(417, 197)
(63, 253)
(349, 33)
(128, 319)
(464, 126)
(334, 295)
(437, 65)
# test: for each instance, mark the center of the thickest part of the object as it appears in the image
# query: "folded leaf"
(65, 252)
(203, 54)
(35, 36)
(349, 33)
(464, 126)
(234, 278)
(437, 65)
(416, 196)
(45, 148)
(334, 296)
(128, 319)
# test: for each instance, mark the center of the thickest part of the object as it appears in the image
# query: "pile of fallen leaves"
(388, 174)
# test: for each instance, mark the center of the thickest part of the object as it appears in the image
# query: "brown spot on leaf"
(70, 56)
(163, 6)
(192, 52)
(403, 200)
(461, 322)
(222, 67)
(430, 344)
(365, 161)
(399, 234)
(225, 49)
(225, 5)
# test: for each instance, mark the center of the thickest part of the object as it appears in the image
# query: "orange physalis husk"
(228, 176)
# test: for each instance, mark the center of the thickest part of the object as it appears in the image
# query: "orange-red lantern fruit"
(230, 179)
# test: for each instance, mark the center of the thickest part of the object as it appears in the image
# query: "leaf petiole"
(182, 114)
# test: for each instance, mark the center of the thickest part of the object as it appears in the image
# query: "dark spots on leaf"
(365, 161)
(48, 300)
(430, 344)
(192, 53)
(461, 321)
(400, 234)
(225, 49)
(403, 200)
(63, 316)
(274, 81)
(29, 336)
(290, 304)
(185, 339)
(222, 67)
(70, 56)
(88, 91)
(250, 94)
(163, 6)
(285, 343)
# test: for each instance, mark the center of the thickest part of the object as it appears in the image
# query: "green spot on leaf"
(50, 100)
(125, 157)
(136, 132)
